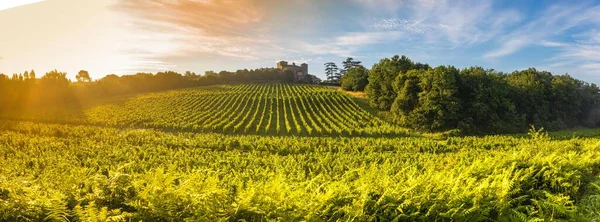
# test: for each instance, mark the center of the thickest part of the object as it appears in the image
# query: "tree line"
(55, 93)
(478, 100)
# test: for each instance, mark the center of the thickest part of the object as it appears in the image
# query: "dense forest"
(478, 100)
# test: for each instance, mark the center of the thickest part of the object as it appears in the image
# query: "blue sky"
(152, 35)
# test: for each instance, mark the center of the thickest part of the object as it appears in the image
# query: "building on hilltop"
(300, 72)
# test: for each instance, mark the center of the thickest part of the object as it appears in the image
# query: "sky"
(129, 36)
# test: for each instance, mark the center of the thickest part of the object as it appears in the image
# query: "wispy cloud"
(448, 23)
(553, 21)
(583, 54)
(188, 27)
(367, 38)
(403, 25)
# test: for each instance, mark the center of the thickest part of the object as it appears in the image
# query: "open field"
(282, 153)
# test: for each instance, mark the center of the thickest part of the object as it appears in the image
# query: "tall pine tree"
(331, 71)
(348, 64)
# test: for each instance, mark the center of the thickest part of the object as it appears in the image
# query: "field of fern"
(276, 152)
(88, 173)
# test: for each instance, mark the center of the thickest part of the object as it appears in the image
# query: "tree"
(288, 76)
(83, 76)
(348, 64)
(531, 91)
(331, 71)
(190, 75)
(380, 91)
(590, 105)
(438, 105)
(486, 103)
(26, 75)
(407, 86)
(565, 101)
(355, 79)
(32, 74)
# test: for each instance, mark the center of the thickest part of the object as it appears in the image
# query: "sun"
(7, 4)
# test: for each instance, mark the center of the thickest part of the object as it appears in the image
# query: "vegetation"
(55, 93)
(264, 109)
(132, 149)
(82, 173)
(332, 73)
(355, 79)
(478, 101)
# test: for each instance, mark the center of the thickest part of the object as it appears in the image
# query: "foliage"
(479, 101)
(348, 64)
(380, 90)
(263, 109)
(83, 76)
(355, 79)
(88, 173)
(332, 73)
(487, 105)
(428, 99)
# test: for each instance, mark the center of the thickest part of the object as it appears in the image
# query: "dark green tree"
(288, 76)
(331, 71)
(348, 64)
(355, 79)
(487, 106)
(590, 105)
(531, 93)
(438, 106)
(565, 101)
(407, 86)
(380, 91)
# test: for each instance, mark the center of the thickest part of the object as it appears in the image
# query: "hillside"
(281, 152)
(262, 109)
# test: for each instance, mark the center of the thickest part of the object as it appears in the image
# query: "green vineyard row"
(262, 109)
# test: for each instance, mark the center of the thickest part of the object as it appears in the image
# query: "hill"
(280, 152)
(262, 109)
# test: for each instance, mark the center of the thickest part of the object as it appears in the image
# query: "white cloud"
(551, 22)
(507, 48)
(582, 57)
(553, 44)
(367, 38)
(447, 23)
(402, 24)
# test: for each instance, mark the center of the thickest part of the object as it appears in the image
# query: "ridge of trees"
(477, 100)
(54, 92)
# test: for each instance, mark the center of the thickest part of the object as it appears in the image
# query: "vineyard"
(262, 109)
(56, 172)
(278, 152)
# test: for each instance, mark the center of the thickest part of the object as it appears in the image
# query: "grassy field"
(138, 159)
